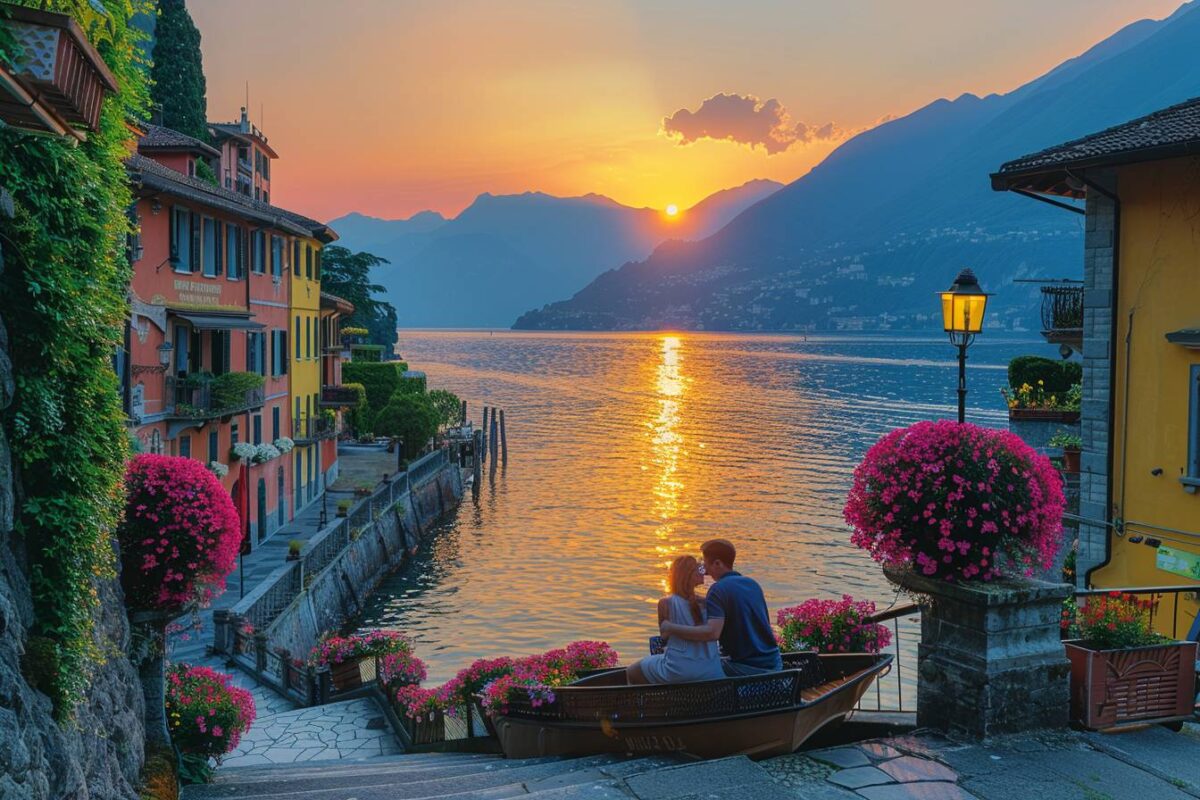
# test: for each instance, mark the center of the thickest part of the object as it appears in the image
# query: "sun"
(672, 210)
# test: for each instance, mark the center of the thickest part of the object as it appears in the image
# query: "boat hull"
(758, 735)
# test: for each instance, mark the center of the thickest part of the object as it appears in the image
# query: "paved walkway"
(1147, 764)
(283, 733)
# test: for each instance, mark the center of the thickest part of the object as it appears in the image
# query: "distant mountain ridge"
(864, 239)
(505, 253)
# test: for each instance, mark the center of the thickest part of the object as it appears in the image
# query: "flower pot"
(1071, 460)
(341, 512)
(426, 731)
(1113, 688)
(346, 676)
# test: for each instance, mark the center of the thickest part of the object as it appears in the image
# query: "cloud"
(747, 120)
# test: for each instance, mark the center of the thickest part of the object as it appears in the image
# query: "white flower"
(284, 445)
(265, 452)
(244, 450)
(218, 469)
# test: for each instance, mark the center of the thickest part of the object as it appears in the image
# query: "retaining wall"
(337, 594)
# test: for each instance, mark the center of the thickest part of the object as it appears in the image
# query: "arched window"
(156, 442)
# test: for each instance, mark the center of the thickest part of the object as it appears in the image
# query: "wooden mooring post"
(462, 413)
(484, 429)
(495, 443)
(477, 465)
(503, 439)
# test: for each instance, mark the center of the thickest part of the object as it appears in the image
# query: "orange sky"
(390, 107)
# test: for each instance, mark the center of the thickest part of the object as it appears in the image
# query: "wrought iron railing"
(197, 398)
(338, 396)
(313, 428)
(1062, 310)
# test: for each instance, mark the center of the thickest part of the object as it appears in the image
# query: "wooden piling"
(484, 428)
(495, 442)
(503, 439)
(477, 465)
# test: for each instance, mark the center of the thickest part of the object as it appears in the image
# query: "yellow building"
(1140, 474)
(309, 424)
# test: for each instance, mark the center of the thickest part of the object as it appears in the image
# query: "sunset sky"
(390, 107)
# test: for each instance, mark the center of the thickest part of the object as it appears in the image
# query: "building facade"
(1140, 465)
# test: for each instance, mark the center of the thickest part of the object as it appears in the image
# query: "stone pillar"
(224, 622)
(990, 660)
(1099, 260)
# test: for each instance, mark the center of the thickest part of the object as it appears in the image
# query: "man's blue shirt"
(747, 636)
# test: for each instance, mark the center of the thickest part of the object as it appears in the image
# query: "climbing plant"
(62, 299)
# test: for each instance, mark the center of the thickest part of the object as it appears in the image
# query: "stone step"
(368, 782)
(735, 778)
(407, 764)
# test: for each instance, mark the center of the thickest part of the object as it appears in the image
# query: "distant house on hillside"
(1140, 483)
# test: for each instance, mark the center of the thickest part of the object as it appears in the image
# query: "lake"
(628, 449)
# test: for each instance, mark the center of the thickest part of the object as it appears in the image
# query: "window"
(191, 167)
(297, 337)
(213, 446)
(181, 239)
(233, 251)
(307, 261)
(296, 256)
(279, 353)
(219, 347)
(277, 256)
(258, 247)
(233, 434)
(266, 197)
(297, 414)
(194, 254)
(275, 423)
(256, 353)
(317, 265)
(156, 443)
(257, 420)
(181, 350)
(185, 446)
(308, 336)
(1193, 470)
(210, 247)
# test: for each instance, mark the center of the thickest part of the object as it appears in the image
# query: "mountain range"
(888, 218)
(506, 253)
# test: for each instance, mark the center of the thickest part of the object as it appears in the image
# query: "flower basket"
(426, 731)
(1071, 460)
(1131, 686)
(347, 676)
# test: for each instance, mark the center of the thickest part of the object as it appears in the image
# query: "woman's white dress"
(682, 659)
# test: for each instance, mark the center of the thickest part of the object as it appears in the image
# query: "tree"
(177, 71)
(348, 275)
(448, 406)
(409, 417)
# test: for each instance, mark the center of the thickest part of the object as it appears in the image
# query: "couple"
(734, 613)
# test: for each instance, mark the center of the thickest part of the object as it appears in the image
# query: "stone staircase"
(485, 777)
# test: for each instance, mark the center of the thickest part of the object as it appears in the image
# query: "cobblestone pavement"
(349, 730)
(1147, 764)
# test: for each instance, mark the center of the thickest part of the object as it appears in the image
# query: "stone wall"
(1099, 254)
(338, 593)
(99, 756)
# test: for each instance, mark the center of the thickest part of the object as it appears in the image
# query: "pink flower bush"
(539, 675)
(339, 649)
(958, 502)
(180, 536)
(205, 713)
(832, 626)
(420, 704)
(402, 668)
(460, 690)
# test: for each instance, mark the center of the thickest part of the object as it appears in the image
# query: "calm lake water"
(628, 449)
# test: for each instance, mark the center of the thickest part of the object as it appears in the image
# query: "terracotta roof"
(1171, 132)
(319, 230)
(235, 130)
(149, 173)
(159, 138)
(342, 305)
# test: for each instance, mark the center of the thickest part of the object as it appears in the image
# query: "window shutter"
(194, 263)
(317, 266)
(283, 352)
(173, 235)
(219, 245)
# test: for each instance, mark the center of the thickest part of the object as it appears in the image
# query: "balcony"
(338, 396)
(1062, 315)
(201, 396)
(307, 430)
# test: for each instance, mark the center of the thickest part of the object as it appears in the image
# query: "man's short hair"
(719, 550)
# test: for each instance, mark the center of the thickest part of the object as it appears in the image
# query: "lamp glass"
(164, 353)
(963, 313)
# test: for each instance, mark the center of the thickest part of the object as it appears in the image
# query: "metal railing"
(897, 691)
(313, 428)
(274, 598)
(1062, 311)
(196, 399)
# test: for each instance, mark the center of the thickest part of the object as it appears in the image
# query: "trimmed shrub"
(366, 353)
(411, 417)
(379, 381)
(1057, 376)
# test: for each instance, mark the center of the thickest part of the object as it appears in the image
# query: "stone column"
(990, 660)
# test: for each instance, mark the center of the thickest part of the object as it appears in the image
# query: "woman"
(681, 660)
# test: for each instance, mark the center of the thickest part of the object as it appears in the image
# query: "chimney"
(245, 126)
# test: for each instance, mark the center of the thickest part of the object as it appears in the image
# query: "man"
(737, 616)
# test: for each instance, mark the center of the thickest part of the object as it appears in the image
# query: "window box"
(1136, 686)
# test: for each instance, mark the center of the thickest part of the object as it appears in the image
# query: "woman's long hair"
(680, 579)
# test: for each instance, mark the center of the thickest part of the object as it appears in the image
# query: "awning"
(220, 322)
(1189, 338)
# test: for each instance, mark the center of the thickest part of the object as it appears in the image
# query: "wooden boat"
(758, 716)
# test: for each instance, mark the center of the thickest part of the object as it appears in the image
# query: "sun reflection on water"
(667, 450)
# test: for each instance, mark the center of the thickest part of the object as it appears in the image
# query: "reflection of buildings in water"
(666, 447)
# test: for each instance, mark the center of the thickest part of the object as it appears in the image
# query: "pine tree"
(178, 71)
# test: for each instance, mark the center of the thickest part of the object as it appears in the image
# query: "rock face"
(99, 756)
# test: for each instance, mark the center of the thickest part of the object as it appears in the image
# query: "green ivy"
(62, 298)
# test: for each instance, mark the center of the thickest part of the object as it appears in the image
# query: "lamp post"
(963, 307)
(164, 354)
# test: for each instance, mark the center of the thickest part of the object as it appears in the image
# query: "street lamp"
(164, 354)
(963, 307)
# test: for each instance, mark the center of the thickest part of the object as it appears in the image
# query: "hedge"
(1057, 376)
(380, 380)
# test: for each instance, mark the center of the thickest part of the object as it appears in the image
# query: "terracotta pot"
(1071, 460)
(1113, 688)
(346, 676)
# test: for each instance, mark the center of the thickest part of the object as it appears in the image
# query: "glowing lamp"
(963, 307)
